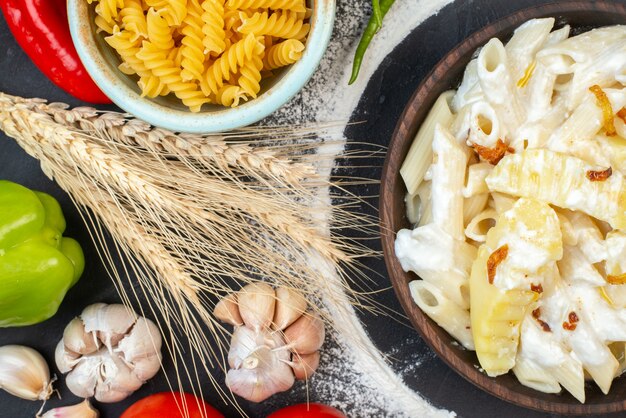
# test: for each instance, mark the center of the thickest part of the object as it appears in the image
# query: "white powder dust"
(353, 375)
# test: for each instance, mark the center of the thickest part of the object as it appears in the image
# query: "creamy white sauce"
(428, 251)
(598, 325)
(615, 245)
(538, 346)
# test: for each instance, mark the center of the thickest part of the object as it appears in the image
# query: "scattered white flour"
(354, 376)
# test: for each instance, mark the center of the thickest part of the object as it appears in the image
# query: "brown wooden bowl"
(447, 74)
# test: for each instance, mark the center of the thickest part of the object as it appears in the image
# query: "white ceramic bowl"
(167, 112)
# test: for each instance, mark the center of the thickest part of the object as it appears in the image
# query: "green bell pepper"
(37, 264)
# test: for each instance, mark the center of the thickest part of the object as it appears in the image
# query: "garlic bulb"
(275, 340)
(81, 410)
(108, 352)
(24, 373)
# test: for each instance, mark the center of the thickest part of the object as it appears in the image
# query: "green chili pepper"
(376, 14)
(373, 26)
(37, 264)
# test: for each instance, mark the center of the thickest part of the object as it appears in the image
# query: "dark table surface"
(383, 101)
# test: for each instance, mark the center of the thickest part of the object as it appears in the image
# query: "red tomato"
(303, 410)
(169, 405)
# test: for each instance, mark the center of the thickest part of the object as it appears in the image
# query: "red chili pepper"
(41, 29)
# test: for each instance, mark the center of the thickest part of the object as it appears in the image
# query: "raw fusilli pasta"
(230, 95)
(284, 53)
(278, 24)
(192, 47)
(166, 70)
(213, 26)
(108, 9)
(295, 5)
(229, 63)
(159, 32)
(134, 19)
(203, 51)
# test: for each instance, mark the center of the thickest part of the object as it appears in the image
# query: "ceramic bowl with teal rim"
(101, 61)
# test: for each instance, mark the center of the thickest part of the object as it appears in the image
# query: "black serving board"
(380, 106)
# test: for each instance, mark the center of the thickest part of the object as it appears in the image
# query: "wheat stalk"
(227, 210)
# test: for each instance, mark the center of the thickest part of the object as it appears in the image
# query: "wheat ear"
(192, 228)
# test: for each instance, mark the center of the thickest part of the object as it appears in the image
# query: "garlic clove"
(262, 374)
(290, 305)
(116, 375)
(227, 311)
(24, 373)
(305, 365)
(306, 335)
(79, 341)
(242, 343)
(256, 305)
(110, 395)
(64, 358)
(143, 340)
(110, 322)
(81, 410)
(82, 380)
(246, 341)
(146, 367)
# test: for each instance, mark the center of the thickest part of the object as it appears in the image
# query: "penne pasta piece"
(444, 261)
(484, 125)
(560, 364)
(570, 236)
(615, 295)
(478, 227)
(575, 135)
(531, 375)
(476, 175)
(604, 373)
(540, 87)
(448, 178)
(502, 202)
(592, 352)
(497, 84)
(420, 155)
(447, 314)
(574, 266)
(615, 245)
(601, 69)
(418, 206)
(615, 147)
(571, 376)
(562, 57)
(473, 206)
(525, 42)
(469, 90)
(588, 236)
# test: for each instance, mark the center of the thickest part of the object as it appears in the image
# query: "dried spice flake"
(537, 313)
(543, 324)
(619, 279)
(494, 260)
(622, 114)
(522, 82)
(602, 175)
(492, 155)
(607, 110)
(572, 320)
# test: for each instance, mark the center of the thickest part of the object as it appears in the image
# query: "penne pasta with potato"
(517, 195)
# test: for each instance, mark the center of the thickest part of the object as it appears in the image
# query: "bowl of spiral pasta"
(503, 208)
(201, 65)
